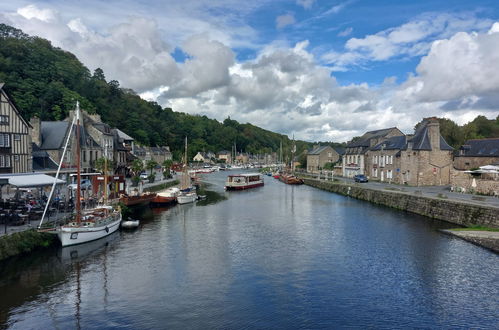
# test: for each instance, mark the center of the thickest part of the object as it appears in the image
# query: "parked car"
(85, 184)
(143, 175)
(360, 178)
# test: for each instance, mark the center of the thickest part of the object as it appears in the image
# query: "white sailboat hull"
(187, 198)
(78, 235)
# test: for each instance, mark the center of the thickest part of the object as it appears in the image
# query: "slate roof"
(393, 143)
(123, 135)
(481, 148)
(421, 139)
(42, 160)
(52, 134)
(103, 128)
(318, 150)
(364, 139)
(340, 150)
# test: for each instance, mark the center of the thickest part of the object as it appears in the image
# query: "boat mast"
(185, 183)
(293, 150)
(105, 174)
(280, 153)
(58, 171)
(78, 172)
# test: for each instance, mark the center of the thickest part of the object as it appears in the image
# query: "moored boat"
(130, 223)
(187, 191)
(86, 225)
(165, 197)
(244, 181)
(290, 179)
(138, 200)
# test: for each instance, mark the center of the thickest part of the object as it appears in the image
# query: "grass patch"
(475, 228)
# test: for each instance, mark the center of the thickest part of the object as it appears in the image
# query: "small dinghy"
(130, 223)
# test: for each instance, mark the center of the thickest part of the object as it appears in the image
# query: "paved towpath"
(426, 191)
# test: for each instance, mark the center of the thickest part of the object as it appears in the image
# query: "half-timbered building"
(15, 139)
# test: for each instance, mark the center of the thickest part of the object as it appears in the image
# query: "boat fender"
(107, 229)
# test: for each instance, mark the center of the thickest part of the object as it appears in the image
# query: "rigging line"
(57, 173)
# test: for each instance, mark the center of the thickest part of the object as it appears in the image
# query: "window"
(4, 120)
(4, 140)
(4, 161)
(16, 158)
(84, 156)
(17, 137)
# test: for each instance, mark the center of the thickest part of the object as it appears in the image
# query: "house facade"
(319, 156)
(476, 153)
(201, 157)
(354, 160)
(421, 159)
(15, 138)
(224, 157)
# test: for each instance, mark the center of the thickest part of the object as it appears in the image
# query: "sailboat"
(85, 225)
(187, 192)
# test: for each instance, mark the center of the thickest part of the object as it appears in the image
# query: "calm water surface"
(273, 257)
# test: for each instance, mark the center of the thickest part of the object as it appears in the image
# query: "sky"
(318, 70)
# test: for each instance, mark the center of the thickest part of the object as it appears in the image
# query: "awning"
(31, 180)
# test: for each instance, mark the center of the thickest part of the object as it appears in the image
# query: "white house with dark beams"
(15, 138)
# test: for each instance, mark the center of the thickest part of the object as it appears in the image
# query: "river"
(277, 257)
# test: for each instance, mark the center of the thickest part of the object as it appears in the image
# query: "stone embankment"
(457, 212)
(487, 239)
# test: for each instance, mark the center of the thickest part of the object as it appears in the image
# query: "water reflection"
(273, 257)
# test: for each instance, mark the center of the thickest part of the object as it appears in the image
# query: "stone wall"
(467, 163)
(486, 184)
(459, 213)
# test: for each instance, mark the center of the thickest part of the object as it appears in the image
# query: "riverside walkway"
(425, 191)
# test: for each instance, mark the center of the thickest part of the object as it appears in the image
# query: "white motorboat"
(130, 223)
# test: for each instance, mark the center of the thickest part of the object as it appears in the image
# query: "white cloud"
(346, 32)
(284, 20)
(284, 88)
(307, 4)
(408, 40)
(33, 12)
(460, 70)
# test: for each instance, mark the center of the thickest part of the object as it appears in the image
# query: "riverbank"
(486, 239)
(460, 213)
(24, 242)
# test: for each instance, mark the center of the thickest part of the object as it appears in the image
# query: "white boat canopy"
(31, 180)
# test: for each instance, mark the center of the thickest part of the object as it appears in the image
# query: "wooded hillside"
(46, 81)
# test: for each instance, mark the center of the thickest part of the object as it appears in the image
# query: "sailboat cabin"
(15, 139)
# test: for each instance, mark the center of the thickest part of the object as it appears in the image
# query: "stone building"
(354, 158)
(476, 153)
(427, 158)
(383, 160)
(421, 159)
(15, 138)
(319, 156)
(50, 136)
(224, 156)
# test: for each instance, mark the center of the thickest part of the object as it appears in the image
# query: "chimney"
(36, 131)
(434, 132)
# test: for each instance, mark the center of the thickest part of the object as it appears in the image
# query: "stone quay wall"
(460, 213)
